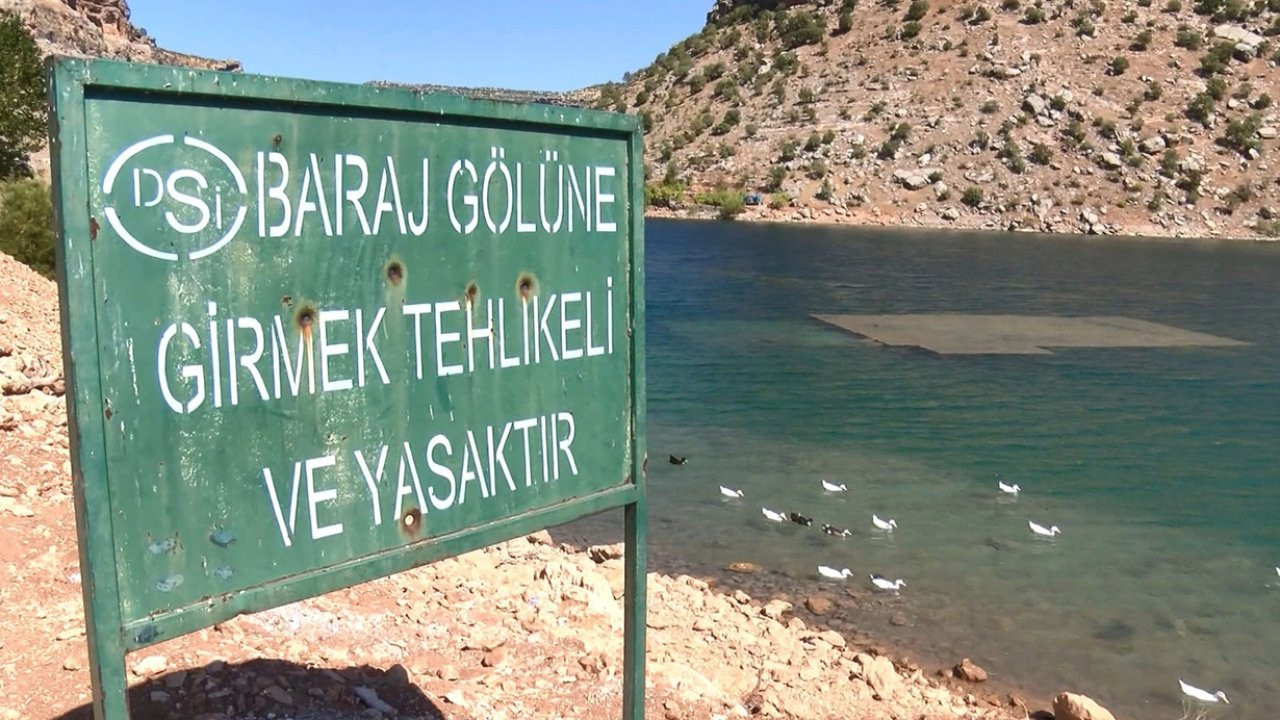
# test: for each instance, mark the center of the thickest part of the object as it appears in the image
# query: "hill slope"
(1139, 116)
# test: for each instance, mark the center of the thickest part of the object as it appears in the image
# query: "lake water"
(1161, 466)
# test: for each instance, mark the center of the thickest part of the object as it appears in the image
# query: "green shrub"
(1201, 108)
(1173, 6)
(910, 29)
(826, 191)
(989, 107)
(1262, 102)
(777, 176)
(845, 23)
(1188, 38)
(1217, 58)
(802, 28)
(917, 10)
(787, 152)
(813, 142)
(981, 15)
(1041, 154)
(1216, 88)
(1141, 41)
(972, 196)
(778, 200)
(1152, 91)
(807, 95)
(26, 223)
(1033, 16)
(1118, 65)
(1241, 134)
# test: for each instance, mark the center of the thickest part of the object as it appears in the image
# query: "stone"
(1267, 132)
(1111, 161)
(819, 604)
(951, 213)
(1070, 706)
(745, 568)
(832, 638)
(150, 666)
(966, 670)
(71, 663)
(1154, 144)
(495, 657)
(941, 190)
(881, 676)
(775, 609)
(911, 179)
(1238, 35)
(603, 553)
(1035, 104)
(278, 694)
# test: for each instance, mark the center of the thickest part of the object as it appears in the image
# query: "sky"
(518, 44)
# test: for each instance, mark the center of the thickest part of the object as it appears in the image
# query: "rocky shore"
(527, 628)
(875, 217)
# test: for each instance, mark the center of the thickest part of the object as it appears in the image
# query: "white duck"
(833, 488)
(771, 515)
(1202, 695)
(834, 574)
(1042, 530)
(730, 492)
(1005, 487)
(882, 524)
(884, 583)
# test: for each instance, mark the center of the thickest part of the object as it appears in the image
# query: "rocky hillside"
(1102, 116)
(98, 28)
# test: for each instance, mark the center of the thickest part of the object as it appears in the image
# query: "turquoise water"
(1160, 465)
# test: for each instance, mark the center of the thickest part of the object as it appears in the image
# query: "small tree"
(26, 223)
(22, 103)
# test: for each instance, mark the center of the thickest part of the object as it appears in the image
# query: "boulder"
(819, 604)
(1153, 145)
(746, 568)
(1267, 132)
(1035, 104)
(1070, 706)
(776, 609)
(1112, 161)
(881, 676)
(966, 670)
(911, 179)
(1239, 36)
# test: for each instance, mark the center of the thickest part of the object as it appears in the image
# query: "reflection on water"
(1158, 465)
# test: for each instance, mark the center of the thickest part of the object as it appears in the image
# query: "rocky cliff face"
(1153, 117)
(98, 28)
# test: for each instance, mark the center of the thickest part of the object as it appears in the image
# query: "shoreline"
(832, 216)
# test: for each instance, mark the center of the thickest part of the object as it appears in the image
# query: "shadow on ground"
(257, 687)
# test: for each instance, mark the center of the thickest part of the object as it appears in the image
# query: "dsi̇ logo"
(195, 203)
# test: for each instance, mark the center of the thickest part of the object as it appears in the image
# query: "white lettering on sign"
(447, 471)
(238, 360)
(205, 204)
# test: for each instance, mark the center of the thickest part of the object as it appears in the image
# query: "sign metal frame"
(110, 634)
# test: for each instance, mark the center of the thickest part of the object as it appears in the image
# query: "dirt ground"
(526, 629)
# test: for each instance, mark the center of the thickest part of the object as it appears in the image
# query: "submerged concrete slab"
(948, 334)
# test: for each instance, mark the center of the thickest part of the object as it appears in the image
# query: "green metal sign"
(316, 334)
